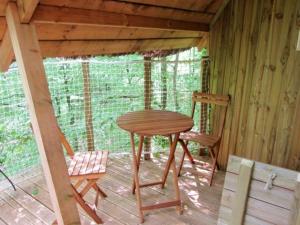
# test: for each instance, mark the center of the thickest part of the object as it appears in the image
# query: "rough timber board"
(274, 206)
(27, 51)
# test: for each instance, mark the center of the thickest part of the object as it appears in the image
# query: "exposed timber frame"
(26, 48)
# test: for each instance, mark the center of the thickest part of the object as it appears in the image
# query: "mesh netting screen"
(101, 88)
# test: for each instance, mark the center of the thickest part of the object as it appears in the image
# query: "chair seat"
(201, 138)
(88, 164)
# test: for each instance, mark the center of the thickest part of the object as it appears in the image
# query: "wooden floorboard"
(31, 204)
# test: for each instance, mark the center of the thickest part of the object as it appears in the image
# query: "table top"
(155, 122)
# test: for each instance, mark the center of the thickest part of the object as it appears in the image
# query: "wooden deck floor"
(30, 204)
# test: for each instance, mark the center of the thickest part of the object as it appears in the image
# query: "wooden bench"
(259, 194)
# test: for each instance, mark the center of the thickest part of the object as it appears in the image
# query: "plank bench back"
(255, 193)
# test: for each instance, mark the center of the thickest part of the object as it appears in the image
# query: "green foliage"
(117, 86)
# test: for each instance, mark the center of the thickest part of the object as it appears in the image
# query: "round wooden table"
(150, 123)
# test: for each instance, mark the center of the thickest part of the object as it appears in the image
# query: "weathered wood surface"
(277, 205)
(147, 100)
(32, 200)
(254, 59)
(27, 51)
(155, 122)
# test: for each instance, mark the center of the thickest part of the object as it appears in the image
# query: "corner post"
(28, 56)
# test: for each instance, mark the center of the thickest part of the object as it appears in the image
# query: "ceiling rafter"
(51, 14)
(26, 9)
(134, 9)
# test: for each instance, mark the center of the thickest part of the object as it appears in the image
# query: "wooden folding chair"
(209, 141)
(86, 167)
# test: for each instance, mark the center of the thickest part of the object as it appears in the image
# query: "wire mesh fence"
(89, 94)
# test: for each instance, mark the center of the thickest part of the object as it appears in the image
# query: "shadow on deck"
(30, 204)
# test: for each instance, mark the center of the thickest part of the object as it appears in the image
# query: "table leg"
(173, 145)
(141, 142)
(136, 178)
(175, 180)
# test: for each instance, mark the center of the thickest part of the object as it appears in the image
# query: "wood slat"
(6, 52)
(78, 158)
(259, 209)
(206, 140)
(2, 27)
(225, 214)
(31, 205)
(276, 196)
(192, 5)
(85, 164)
(15, 213)
(284, 178)
(3, 4)
(51, 14)
(49, 31)
(103, 162)
(97, 166)
(83, 48)
(92, 162)
(134, 9)
(241, 195)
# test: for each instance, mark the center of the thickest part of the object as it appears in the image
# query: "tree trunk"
(175, 82)
(163, 97)
(88, 106)
(147, 101)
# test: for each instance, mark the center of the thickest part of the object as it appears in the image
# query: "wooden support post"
(205, 70)
(147, 99)
(88, 106)
(241, 195)
(29, 59)
(26, 9)
(6, 52)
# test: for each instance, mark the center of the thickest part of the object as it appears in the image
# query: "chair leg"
(181, 164)
(212, 154)
(99, 190)
(86, 207)
(214, 163)
(185, 152)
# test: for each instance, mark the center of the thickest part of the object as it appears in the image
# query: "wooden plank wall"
(254, 59)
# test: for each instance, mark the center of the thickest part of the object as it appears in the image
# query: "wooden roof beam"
(134, 9)
(63, 15)
(26, 9)
(93, 48)
(190, 5)
(52, 31)
(6, 52)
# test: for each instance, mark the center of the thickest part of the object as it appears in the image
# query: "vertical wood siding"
(254, 59)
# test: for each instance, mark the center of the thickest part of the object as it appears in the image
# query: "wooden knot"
(279, 15)
(272, 67)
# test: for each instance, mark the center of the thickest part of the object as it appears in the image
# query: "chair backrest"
(213, 99)
(65, 143)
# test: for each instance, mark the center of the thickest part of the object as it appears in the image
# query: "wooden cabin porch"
(31, 203)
